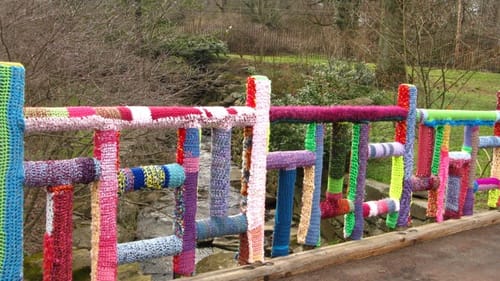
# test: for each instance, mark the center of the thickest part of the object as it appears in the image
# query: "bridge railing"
(448, 176)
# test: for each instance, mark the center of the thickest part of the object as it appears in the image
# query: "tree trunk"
(458, 34)
(391, 69)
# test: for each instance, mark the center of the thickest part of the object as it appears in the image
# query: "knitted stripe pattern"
(44, 119)
(60, 172)
(407, 98)
(494, 194)
(57, 241)
(334, 205)
(152, 177)
(330, 114)
(284, 212)
(489, 141)
(443, 174)
(380, 150)
(104, 202)
(436, 159)
(436, 117)
(188, 156)
(353, 221)
(260, 88)
(380, 207)
(219, 172)
(11, 170)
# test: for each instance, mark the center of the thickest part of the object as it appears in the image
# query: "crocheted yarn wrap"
(11, 170)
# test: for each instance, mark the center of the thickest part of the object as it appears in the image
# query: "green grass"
(292, 59)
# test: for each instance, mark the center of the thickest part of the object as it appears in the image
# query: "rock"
(131, 272)
(81, 259)
(217, 261)
(82, 235)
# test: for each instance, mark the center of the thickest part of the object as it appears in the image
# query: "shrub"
(337, 82)
(197, 51)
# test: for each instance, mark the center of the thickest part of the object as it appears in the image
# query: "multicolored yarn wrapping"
(334, 205)
(353, 221)
(309, 187)
(57, 241)
(260, 88)
(42, 119)
(443, 174)
(188, 154)
(379, 150)
(407, 98)
(421, 183)
(380, 207)
(11, 170)
(153, 177)
(60, 172)
(104, 198)
(457, 184)
(436, 117)
(486, 184)
(313, 232)
(494, 194)
(436, 160)
(489, 141)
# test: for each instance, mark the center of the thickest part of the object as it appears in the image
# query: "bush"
(198, 51)
(337, 82)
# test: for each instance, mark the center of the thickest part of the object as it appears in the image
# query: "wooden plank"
(318, 259)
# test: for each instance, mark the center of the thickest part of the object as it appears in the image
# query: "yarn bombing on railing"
(448, 176)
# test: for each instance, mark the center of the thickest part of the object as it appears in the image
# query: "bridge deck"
(465, 249)
(470, 255)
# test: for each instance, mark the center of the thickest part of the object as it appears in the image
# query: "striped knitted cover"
(405, 134)
(57, 241)
(188, 155)
(494, 194)
(354, 221)
(313, 232)
(334, 204)
(50, 119)
(435, 163)
(443, 173)
(253, 187)
(11, 170)
(104, 202)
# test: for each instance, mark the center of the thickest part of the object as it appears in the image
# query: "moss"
(33, 267)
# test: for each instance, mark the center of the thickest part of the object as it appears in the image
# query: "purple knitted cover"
(320, 114)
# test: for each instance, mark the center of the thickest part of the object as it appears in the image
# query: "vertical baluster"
(104, 197)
